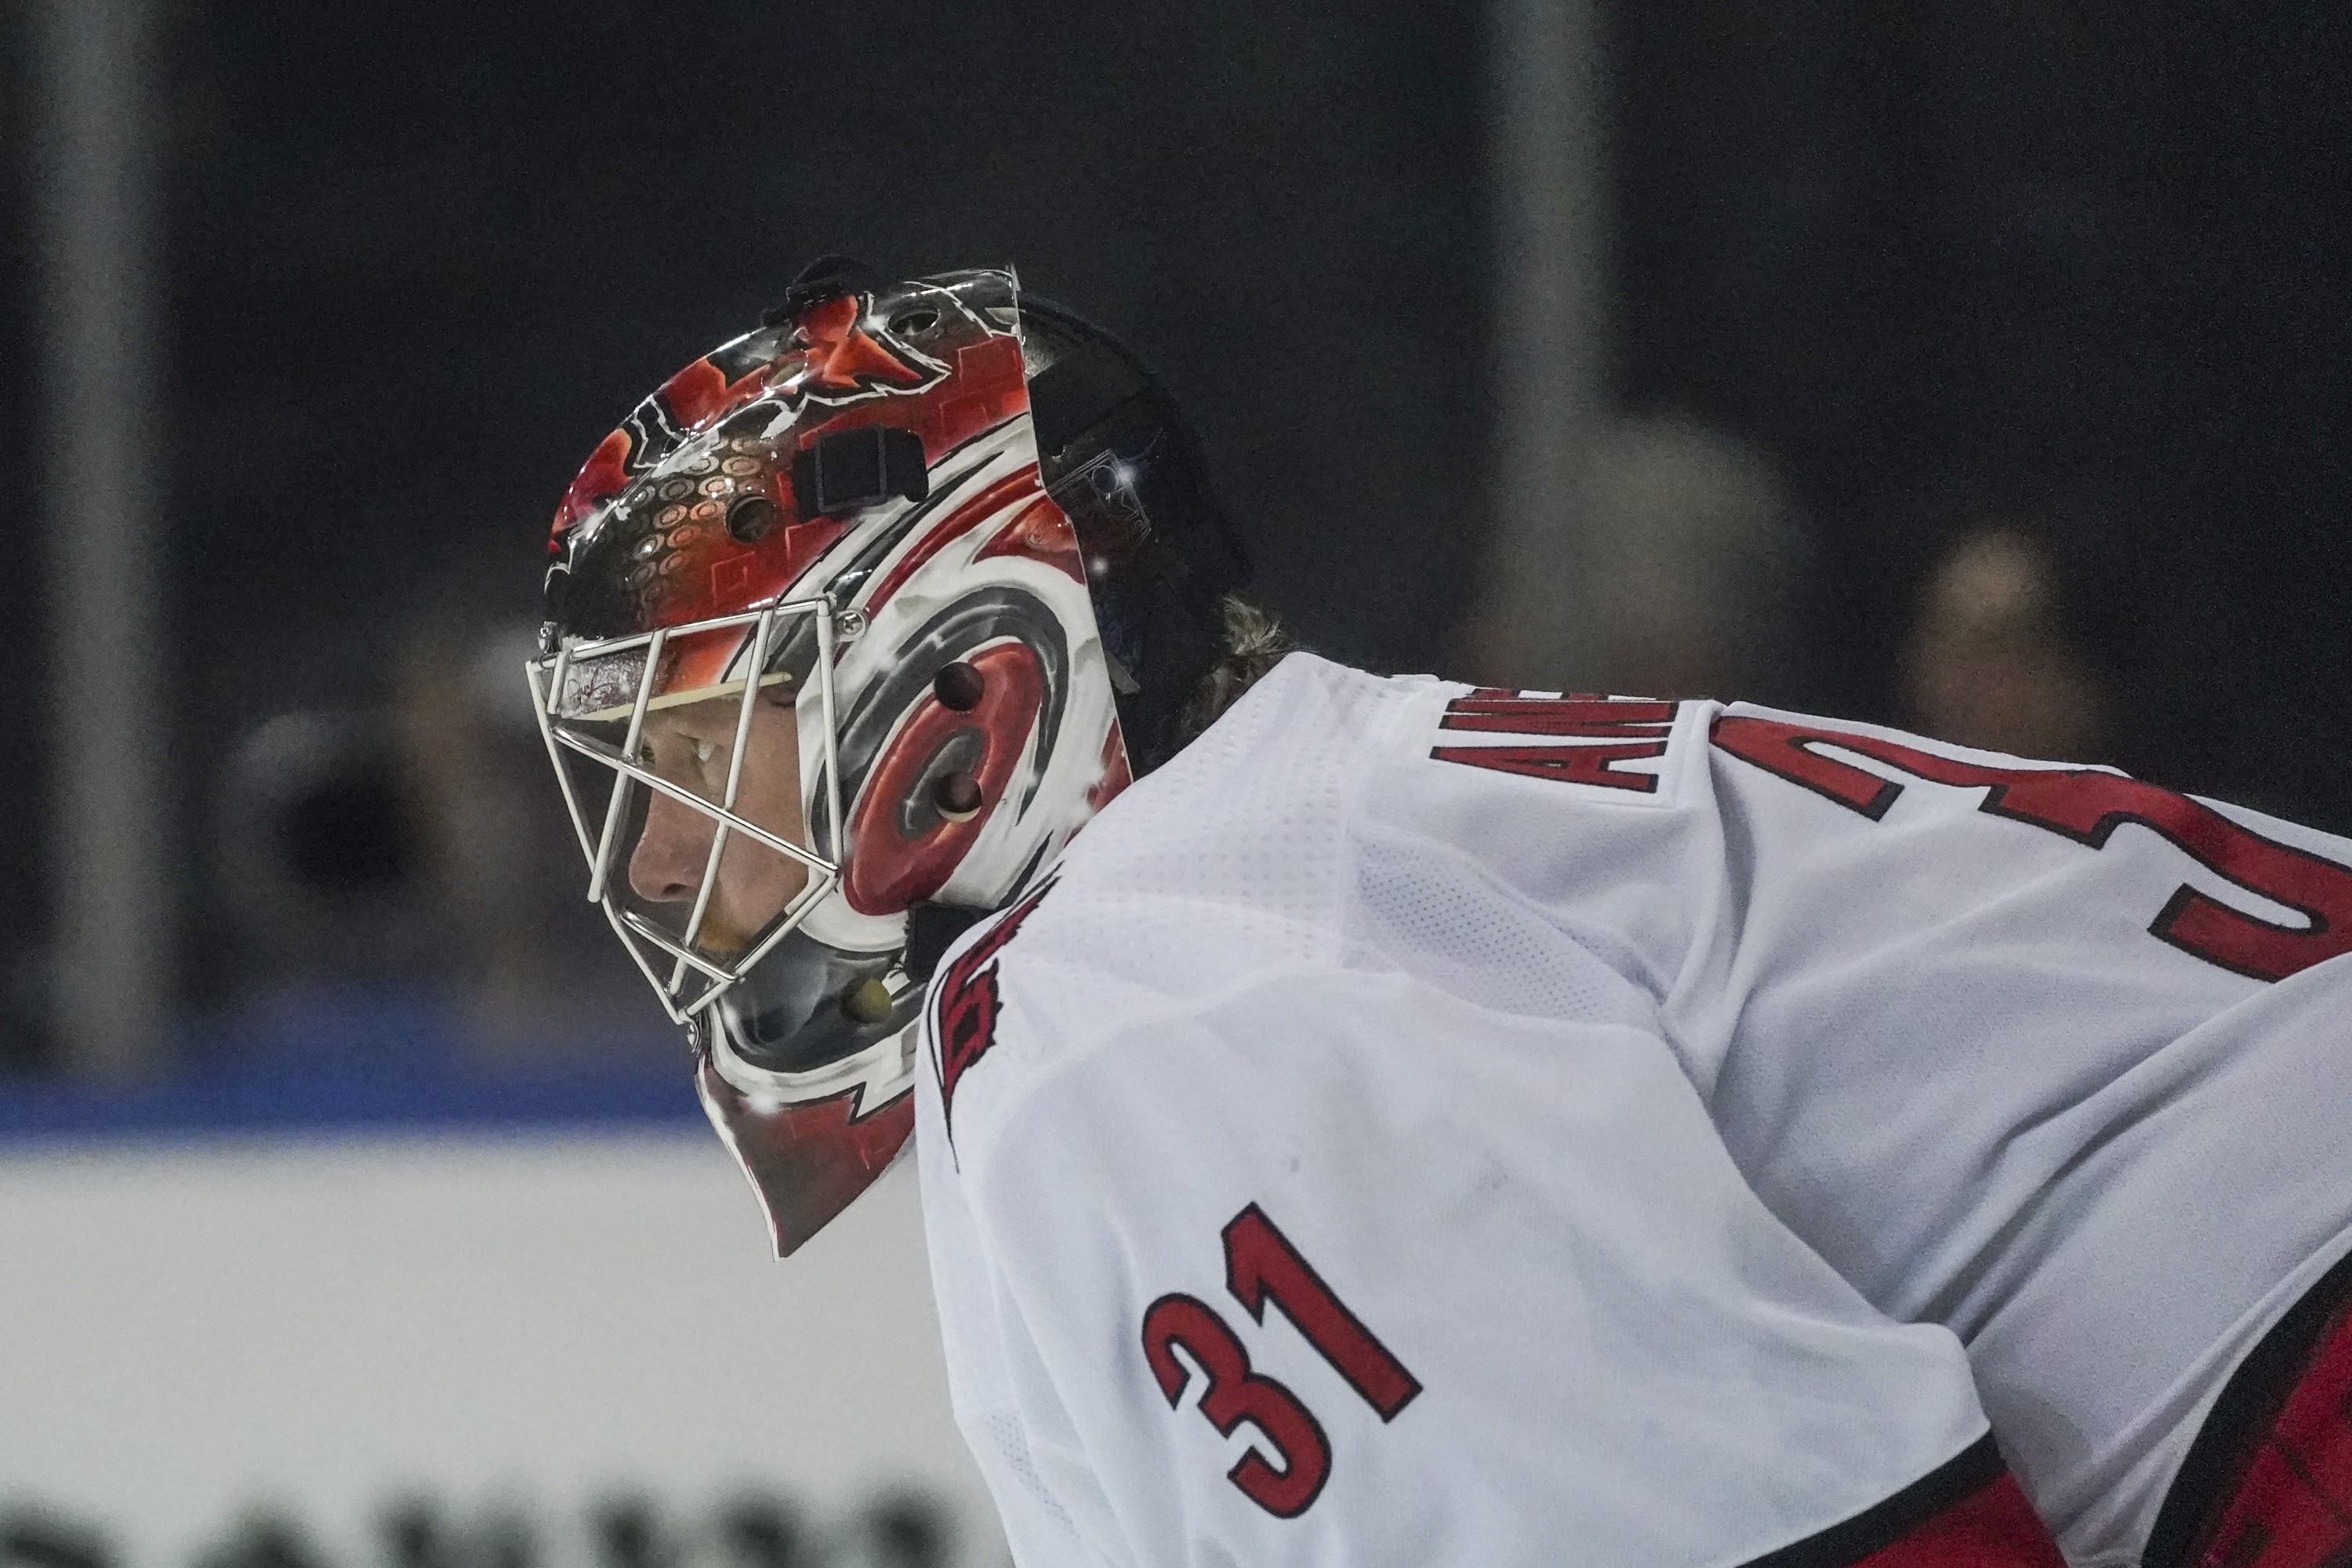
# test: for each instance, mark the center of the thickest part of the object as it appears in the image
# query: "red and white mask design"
(818, 647)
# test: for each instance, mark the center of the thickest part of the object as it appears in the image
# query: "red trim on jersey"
(1968, 1512)
(1996, 1525)
(2268, 1482)
(2293, 1508)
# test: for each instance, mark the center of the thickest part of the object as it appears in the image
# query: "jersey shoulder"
(1336, 819)
(1214, 871)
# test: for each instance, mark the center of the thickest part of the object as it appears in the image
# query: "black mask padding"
(846, 470)
(786, 1014)
(826, 277)
(931, 930)
(1161, 552)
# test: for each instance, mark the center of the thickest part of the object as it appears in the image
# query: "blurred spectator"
(319, 853)
(1995, 659)
(535, 969)
(34, 1538)
(414, 859)
(1673, 573)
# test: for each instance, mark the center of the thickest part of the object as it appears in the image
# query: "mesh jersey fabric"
(1247, 992)
(1942, 1044)
(1945, 1046)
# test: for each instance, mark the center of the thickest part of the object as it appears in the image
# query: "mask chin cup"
(809, 1096)
(805, 1161)
(806, 1005)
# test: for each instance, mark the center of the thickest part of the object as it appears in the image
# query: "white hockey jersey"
(1655, 1124)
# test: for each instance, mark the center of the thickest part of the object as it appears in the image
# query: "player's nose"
(665, 868)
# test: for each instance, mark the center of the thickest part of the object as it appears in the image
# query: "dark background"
(2086, 260)
(2080, 258)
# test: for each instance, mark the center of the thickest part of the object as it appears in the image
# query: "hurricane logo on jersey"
(968, 1002)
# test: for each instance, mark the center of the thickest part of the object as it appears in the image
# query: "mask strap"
(931, 930)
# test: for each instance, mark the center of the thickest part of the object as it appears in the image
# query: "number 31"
(1260, 1266)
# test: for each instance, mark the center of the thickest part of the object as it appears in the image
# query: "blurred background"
(1976, 369)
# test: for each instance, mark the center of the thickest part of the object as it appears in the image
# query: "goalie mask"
(829, 655)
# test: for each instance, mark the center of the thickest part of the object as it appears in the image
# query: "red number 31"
(1261, 1266)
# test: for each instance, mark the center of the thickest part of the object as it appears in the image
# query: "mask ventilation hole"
(957, 796)
(749, 520)
(959, 687)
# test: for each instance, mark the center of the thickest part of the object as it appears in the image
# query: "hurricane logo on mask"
(820, 650)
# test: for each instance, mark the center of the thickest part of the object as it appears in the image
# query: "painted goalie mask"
(831, 661)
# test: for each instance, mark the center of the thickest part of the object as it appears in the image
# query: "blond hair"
(1254, 642)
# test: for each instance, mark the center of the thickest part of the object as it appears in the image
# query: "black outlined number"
(2087, 804)
(1237, 1393)
(1261, 1265)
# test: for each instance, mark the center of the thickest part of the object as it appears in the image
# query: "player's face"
(693, 747)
